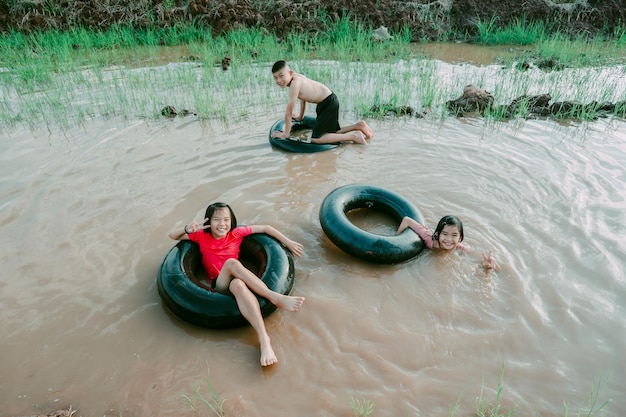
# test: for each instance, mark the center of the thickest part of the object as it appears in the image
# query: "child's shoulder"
(301, 78)
(241, 231)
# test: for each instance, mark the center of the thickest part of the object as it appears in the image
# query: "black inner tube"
(290, 145)
(182, 286)
(369, 246)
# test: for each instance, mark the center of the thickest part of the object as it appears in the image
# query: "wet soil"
(427, 19)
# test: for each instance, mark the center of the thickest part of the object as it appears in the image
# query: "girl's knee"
(231, 263)
(237, 286)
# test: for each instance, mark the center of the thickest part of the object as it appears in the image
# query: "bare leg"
(235, 269)
(243, 284)
(250, 309)
(355, 136)
(361, 126)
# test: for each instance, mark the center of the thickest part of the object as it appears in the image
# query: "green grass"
(213, 402)
(361, 407)
(484, 407)
(63, 78)
(547, 43)
(519, 32)
(581, 52)
(54, 76)
(496, 408)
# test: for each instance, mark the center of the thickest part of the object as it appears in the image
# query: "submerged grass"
(214, 402)
(496, 408)
(62, 78)
(484, 408)
(361, 407)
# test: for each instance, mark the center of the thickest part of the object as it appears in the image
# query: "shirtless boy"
(326, 129)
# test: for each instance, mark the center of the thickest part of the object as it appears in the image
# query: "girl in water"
(447, 236)
(219, 239)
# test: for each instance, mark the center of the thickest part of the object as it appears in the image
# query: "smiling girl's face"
(449, 237)
(220, 222)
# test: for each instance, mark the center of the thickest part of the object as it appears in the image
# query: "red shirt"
(217, 251)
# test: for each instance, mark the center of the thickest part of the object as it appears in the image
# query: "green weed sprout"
(215, 403)
(493, 409)
(360, 407)
(456, 406)
(592, 405)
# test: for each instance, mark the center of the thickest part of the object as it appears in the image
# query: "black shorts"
(327, 120)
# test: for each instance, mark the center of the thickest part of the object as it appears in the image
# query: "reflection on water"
(85, 219)
(459, 53)
(373, 221)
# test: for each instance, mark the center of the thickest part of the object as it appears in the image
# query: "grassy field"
(63, 78)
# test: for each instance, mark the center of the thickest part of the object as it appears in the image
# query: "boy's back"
(309, 90)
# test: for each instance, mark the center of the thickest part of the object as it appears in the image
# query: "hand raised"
(488, 261)
(194, 226)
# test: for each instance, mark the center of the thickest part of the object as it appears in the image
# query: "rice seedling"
(549, 45)
(59, 78)
(361, 407)
(496, 408)
(493, 409)
(455, 408)
(593, 406)
(364, 408)
(519, 32)
(213, 402)
(578, 52)
(619, 36)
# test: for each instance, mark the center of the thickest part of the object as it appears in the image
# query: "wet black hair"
(209, 213)
(449, 220)
(278, 65)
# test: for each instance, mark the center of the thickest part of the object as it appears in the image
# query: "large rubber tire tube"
(190, 300)
(365, 245)
(293, 145)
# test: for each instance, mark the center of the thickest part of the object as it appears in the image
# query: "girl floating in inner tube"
(447, 236)
(219, 239)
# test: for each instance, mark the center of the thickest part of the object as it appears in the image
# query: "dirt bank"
(428, 20)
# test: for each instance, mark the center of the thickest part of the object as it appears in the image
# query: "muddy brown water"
(85, 215)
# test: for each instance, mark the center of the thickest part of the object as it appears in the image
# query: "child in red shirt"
(219, 239)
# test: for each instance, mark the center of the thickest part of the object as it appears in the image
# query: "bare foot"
(268, 357)
(358, 137)
(289, 302)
